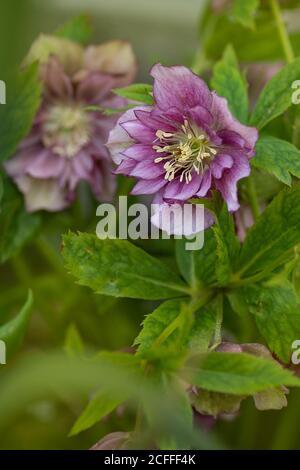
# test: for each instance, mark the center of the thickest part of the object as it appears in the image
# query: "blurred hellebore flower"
(112, 441)
(221, 404)
(66, 142)
(185, 145)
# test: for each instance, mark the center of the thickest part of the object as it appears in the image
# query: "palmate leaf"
(237, 373)
(276, 97)
(119, 269)
(278, 157)
(229, 82)
(22, 102)
(269, 242)
(12, 332)
(277, 313)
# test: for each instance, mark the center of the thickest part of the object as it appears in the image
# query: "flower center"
(188, 152)
(66, 130)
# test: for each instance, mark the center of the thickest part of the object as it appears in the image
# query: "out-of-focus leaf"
(243, 11)
(276, 97)
(277, 314)
(238, 373)
(22, 102)
(54, 374)
(261, 43)
(12, 332)
(78, 29)
(228, 82)
(140, 92)
(101, 405)
(73, 342)
(17, 225)
(1, 190)
(120, 269)
(270, 240)
(278, 157)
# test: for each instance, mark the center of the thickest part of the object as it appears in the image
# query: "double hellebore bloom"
(67, 143)
(185, 145)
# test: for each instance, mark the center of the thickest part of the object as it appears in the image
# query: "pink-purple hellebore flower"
(185, 145)
(67, 142)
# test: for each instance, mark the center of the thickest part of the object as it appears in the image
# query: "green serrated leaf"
(276, 97)
(198, 337)
(237, 373)
(78, 29)
(277, 314)
(243, 11)
(101, 405)
(228, 81)
(119, 269)
(278, 157)
(12, 332)
(141, 92)
(269, 242)
(22, 103)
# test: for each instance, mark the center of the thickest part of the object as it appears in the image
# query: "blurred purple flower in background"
(66, 142)
(185, 145)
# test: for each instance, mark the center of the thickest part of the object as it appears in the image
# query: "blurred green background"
(163, 31)
(160, 30)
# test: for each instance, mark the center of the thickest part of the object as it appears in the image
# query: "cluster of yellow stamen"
(66, 129)
(188, 151)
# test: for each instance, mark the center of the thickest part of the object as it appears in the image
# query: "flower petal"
(174, 219)
(223, 119)
(119, 139)
(219, 164)
(139, 132)
(147, 170)
(205, 184)
(179, 87)
(227, 185)
(42, 194)
(182, 191)
(148, 186)
(140, 152)
(153, 121)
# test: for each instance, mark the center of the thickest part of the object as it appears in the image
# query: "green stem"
(252, 197)
(219, 321)
(283, 35)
